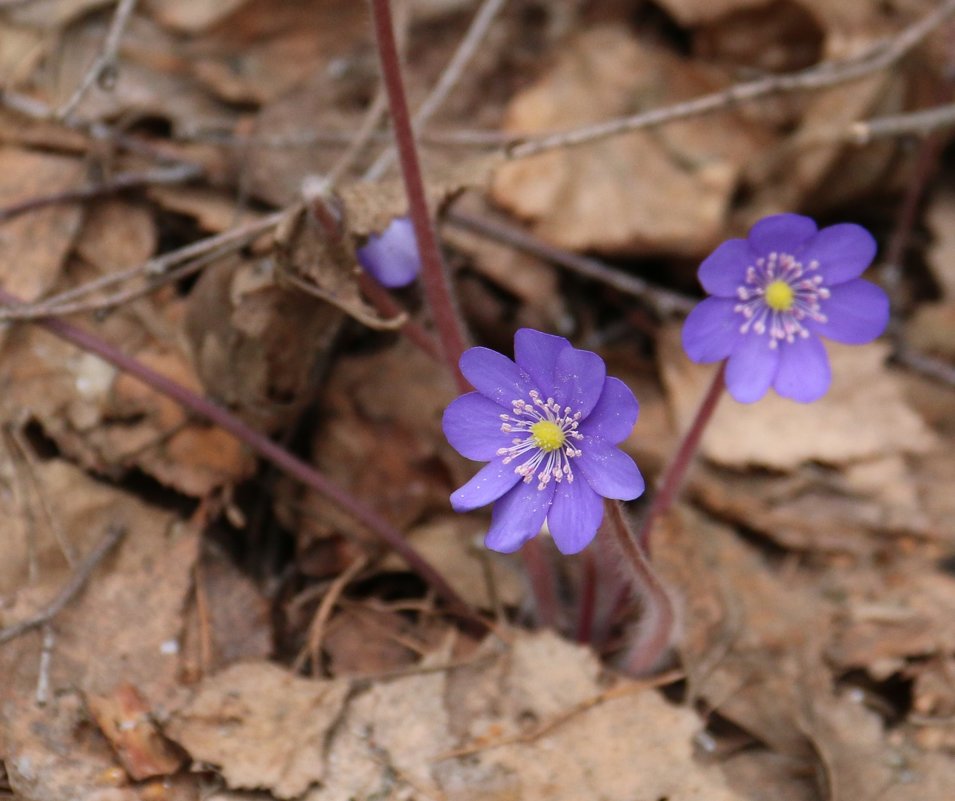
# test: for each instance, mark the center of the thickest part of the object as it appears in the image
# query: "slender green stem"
(434, 277)
(263, 446)
(676, 470)
(656, 620)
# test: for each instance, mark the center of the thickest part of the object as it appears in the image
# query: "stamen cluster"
(554, 452)
(781, 319)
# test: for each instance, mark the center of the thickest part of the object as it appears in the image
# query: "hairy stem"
(656, 622)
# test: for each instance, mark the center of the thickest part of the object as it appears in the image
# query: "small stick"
(72, 588)
(588, 596)
(311, 652)
(46, 659)
(103, 70)
(663, 300)
(161, 176)
(433, 276)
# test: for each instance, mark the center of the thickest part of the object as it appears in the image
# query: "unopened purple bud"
(391, 257)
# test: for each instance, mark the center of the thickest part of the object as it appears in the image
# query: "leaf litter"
(246, 638)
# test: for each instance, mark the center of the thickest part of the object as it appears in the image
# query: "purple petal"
(843, 252)
(803, 373)
(751, 368)
(608, 470)
(613, 417)
(518, 516)
(392, 257)
(857, 312)
(489, 484)
(782, 233)
(495, 376)
(724, 270)
(579, 376)
(536, 353)
(574, 516)
(472, 424)
(711, 330)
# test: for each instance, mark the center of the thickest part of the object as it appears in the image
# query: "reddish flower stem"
(587, 603)
(540, 573)
(676, 470)
(434, 278)
(263, 446)
(656, 620)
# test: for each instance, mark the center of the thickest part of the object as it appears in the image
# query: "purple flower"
(391, 257)
(548, 426)
(774, 294)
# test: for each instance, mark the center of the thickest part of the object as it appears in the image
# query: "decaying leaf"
(261, 726)
(659, 190)
(33, 246)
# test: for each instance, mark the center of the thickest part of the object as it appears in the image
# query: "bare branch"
(820, 76)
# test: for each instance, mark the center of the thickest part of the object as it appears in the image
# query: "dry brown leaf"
(51, 13)
(397, 737)
(235, 618)
(52, 754)
(863, 416)
(116, 234)
(932, 329)
(33, 246)
(698, 12)
(258, 347)
(212, 210)
(261, 726)
(262, 50)
(455, 544)
(191, 16)
(661, 190)
(125, 626)
(384, 446)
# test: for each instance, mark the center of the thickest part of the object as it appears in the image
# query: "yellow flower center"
(780, 296)
(548, 435)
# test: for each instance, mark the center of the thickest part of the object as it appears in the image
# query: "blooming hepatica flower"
(548, 425)
(774, 294)
(391, 257)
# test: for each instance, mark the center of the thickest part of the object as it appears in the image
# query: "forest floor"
(224, 484)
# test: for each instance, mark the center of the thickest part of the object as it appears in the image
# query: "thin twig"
(929, 366)
(821, 76)
(311, 651)
(619, 691)
(103, 70)
(433, 276)
(917, 123)
(664, 301)
(263, 446)
(203, 251)
(174, 174)
(72, 588)
(449, 78)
